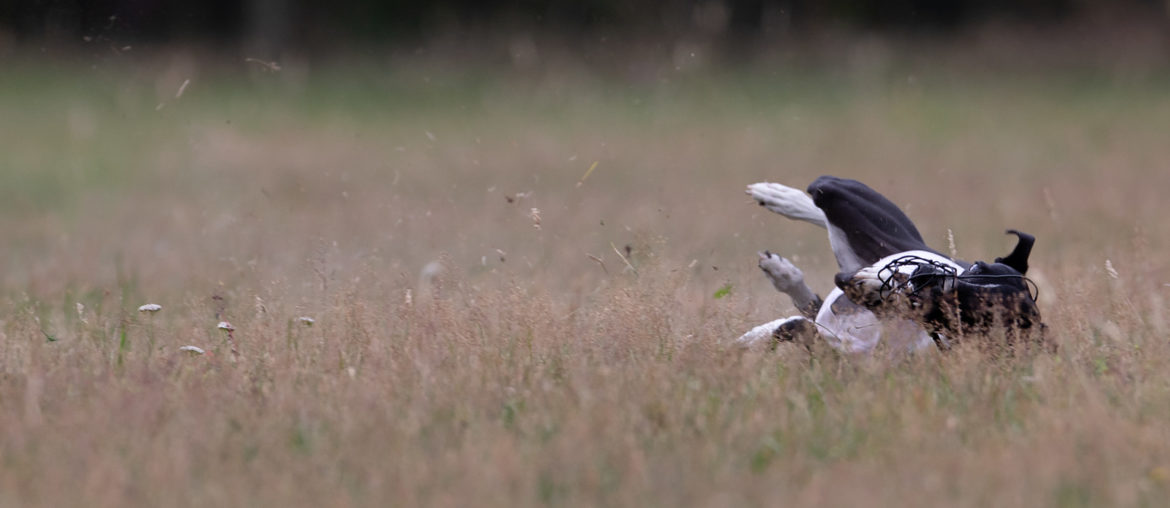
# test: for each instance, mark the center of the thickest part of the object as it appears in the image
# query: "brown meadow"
(464, 352)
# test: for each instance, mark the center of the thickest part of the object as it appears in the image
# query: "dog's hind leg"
(789, 202)
(863, 225)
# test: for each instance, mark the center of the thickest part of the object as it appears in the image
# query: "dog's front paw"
(873, 287)
(864, 287)
(784, 275)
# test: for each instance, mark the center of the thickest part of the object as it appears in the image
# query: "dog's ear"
(1018, 259)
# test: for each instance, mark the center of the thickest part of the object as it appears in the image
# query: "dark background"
(272, 27)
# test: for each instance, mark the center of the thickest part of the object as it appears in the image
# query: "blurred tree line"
(274, 25)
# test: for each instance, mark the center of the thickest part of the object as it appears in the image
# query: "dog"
(891, 286)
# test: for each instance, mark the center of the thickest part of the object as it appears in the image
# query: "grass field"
(478, 340)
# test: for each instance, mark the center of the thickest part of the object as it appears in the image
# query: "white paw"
(870, 277)
(784, 275)
(865, 287)
(877, 286)
(786, 201)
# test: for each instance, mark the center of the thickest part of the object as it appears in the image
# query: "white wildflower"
(306, 320)
(194, 350)
(1109, 269)
(150, 307)
(228, 328)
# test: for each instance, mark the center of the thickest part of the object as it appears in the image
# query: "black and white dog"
(891, 285)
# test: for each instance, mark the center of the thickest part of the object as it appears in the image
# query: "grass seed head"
(1110, 270)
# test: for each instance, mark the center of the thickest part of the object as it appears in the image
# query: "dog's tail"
(1018, 259)
(789, 202)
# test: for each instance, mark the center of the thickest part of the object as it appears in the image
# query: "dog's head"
(949, 300)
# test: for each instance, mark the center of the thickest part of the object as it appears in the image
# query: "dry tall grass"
(524, 371)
